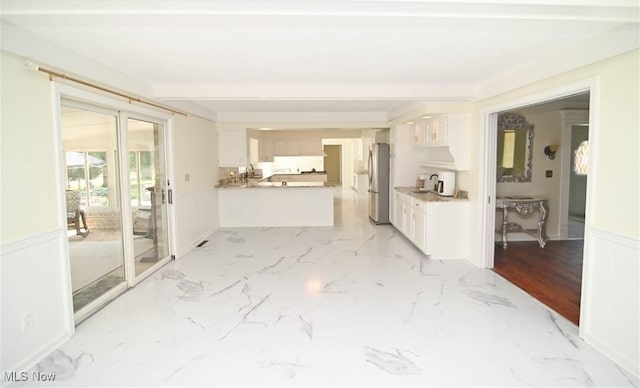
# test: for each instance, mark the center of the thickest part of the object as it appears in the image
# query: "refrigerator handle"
(370, 168)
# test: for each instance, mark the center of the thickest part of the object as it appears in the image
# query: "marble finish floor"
(350, 305)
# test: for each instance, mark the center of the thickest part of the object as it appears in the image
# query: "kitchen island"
(266, 204)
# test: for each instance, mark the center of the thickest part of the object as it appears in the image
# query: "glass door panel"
(148, 193)
(94, 222)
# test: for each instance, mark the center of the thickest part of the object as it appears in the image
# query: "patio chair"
(75, 214)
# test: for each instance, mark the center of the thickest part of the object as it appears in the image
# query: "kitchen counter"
(276, 180)
(268, 204)
(278, 185)
(428, 196)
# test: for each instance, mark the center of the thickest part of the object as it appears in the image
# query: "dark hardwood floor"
(552, 275)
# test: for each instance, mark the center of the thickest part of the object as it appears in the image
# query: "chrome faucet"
(435, 185)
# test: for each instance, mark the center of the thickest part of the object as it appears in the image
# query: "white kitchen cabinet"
(310, 147)
(439, 229)
(232, 147)
(361, 183)
(280, 147)
(286, 147)
(446, 138)
(431, 131)
(418, 224)
(357, 149)
(417, 137)
(403, 214)
(266, 150)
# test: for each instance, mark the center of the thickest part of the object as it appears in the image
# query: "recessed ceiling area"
(311, 56)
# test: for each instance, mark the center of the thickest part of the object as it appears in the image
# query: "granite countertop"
(428, 196)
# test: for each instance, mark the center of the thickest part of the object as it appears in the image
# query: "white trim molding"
(613, 326)
(35, 270)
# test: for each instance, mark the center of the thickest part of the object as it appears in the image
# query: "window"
(581, 166)
(87, 172)
(141, 170)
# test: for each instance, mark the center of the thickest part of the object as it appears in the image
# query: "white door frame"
(125, 109)
(488, 173)
(488, 154)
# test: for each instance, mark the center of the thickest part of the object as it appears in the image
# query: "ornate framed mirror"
(515, 148)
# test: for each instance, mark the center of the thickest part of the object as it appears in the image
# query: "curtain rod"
(131, 99)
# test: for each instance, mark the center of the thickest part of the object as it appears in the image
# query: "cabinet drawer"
(419, 205)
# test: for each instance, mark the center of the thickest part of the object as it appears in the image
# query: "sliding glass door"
(117, 201)
(93, 212)
(148, 193)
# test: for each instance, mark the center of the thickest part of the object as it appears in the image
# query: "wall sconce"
(550, 150)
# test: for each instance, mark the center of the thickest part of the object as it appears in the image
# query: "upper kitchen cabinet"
(431, 131)
(298, 147)
(265, 150)
(286, 147)
(310, 147)
(232, 147)
(357, 150)
(445, 139)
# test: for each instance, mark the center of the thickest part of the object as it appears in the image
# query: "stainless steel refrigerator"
(379, 183)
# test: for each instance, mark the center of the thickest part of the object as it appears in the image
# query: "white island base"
(275, 206)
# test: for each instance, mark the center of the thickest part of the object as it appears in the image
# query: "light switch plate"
(187, 177)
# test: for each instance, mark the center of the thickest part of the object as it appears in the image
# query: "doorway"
(116, 200)
(552, 274)
(333, 163)
(577, 183)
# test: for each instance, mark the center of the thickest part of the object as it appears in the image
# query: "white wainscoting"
(37, 312)
(196, 217)
(610, 316)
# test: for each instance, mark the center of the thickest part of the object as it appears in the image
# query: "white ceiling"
(313, 55)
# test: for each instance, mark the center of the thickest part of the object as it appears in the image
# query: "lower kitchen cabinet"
(439, 229)
(419, 225)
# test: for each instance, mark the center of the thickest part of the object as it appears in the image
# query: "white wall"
(196, 173)
(36, 303)
(36, 286)
(609, 309)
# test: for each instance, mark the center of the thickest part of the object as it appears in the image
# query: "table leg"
(505, 224)
(542, 235)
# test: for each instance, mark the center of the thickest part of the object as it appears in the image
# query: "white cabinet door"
(435, 131)
(403, 214)
(232, 147)
(266, 150)
(310, 147)
(254, 151)
(280, 147)
(286, 147)
(419, 224)
(419, 133)
(293, 148)
(397, 211)
(357, 150)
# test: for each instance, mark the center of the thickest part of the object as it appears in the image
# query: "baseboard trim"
(38, 355)
(619, 358)
(195, 242)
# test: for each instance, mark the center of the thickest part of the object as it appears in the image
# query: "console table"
(523, 205)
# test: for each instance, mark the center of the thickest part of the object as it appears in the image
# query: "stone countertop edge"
(424, 196)
(278, 185)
